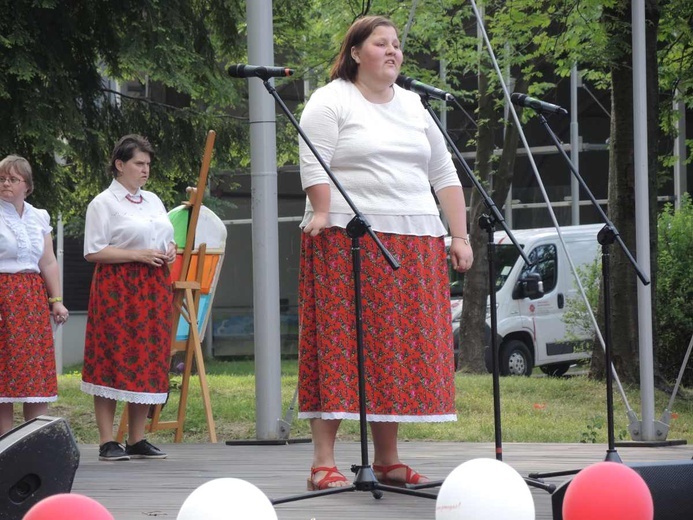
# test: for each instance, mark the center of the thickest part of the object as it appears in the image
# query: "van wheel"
(556, 369)
(515, 359)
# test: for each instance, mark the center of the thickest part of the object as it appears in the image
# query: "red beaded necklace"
(132, 198)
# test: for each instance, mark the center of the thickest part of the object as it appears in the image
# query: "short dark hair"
(125, 149)
(344, 66)
(20, 166)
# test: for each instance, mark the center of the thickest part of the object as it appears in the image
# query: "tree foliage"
(675, 288)
(61, 112)
(674, 297)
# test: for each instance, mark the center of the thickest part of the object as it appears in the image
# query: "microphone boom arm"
(488, 201)
(616, 235)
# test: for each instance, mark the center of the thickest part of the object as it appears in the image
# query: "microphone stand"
(488, 222)
(365, 477)
(606, 237)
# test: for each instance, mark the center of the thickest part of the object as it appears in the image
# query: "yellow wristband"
(466, 239)
(55, 299)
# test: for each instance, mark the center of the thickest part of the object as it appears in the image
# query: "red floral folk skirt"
(128, 339)
(27, 356)
(407, 335)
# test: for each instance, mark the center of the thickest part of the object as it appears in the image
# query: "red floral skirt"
(27, 356)
(128, 339)
(407, 335)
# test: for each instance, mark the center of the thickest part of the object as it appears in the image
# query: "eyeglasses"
(11, 180)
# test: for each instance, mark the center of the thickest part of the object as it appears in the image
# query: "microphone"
(422, 89)
(524, 100)
(247, 71)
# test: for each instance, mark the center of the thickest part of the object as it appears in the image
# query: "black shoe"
(112, 451)
(144, 450)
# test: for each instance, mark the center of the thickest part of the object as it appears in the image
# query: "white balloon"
(484, 489)
(227, 499)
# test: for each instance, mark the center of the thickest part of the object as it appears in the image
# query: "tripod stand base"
(532, 482)
(267, 442)
(651, 444)
(611, 456)
(364, 481)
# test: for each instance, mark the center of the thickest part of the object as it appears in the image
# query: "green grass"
(534, 409)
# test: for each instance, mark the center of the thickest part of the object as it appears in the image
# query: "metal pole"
(508, 206)
(59, 254)
(442, 67)
(642, 220)
(680, 181)
(574, 146)
(265, 233)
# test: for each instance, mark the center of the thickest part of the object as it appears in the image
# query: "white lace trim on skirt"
(379, 418)
(123, 395)
(49, 399)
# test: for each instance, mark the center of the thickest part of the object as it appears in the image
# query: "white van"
(531, 330)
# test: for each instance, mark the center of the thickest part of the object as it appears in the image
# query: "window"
(544, 259)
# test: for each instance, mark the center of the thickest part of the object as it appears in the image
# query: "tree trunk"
(621, 198)
(473, 320)
(654, 136)
(476, 283)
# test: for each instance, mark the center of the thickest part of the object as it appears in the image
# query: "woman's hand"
(152, 257)
(171, 252)
(461, 255)
(60, 313)
(317, 224)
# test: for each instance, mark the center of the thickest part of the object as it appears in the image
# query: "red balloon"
(608, 491)
(68, 507)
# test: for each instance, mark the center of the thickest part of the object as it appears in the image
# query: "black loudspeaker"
(37, 459)
(670, 482)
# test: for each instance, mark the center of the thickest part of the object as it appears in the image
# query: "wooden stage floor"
(140, 489)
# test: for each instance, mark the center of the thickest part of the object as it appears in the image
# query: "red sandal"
(411, 477)
(333, 475)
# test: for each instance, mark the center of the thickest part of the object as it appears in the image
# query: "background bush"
(674, 298)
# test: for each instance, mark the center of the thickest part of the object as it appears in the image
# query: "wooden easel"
(186, 301)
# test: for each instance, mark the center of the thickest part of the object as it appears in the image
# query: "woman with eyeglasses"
(29, 295)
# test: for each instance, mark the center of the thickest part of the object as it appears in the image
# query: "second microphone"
(423, 89)
(258, 71)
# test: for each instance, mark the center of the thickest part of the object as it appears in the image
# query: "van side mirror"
(529, 286)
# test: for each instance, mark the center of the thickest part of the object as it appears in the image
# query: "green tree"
(675, 288)
(60, 112)
(616, 20)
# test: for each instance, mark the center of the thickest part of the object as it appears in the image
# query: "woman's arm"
(455, 211)
(320, 124)
(319, 196)
(48, 265)
(116, 255)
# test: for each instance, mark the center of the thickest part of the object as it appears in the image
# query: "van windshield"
(506, 256)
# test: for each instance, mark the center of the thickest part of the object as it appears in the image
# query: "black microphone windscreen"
(236, 71)
(403, 81)
(517, 98)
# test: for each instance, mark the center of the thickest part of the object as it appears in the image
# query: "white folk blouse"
(22, 237)
(114, 220)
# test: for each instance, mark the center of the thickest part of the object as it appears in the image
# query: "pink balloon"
(608, 491)
(68, 507)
